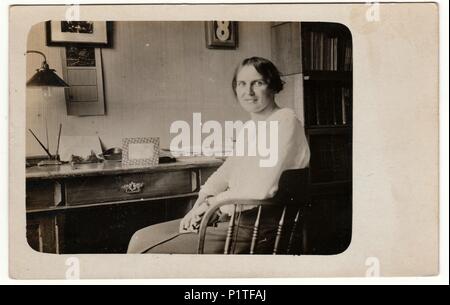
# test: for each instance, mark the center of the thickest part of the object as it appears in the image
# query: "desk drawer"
(127, 187)
(42, 194)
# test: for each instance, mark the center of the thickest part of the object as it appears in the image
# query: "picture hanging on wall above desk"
(80, 56)
(83, 70)
(88, 33)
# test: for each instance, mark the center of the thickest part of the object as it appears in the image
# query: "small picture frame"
(221, 34)
(140, 151)
(80, 56)
(87, 33)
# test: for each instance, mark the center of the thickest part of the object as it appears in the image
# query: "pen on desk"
(57, 146)
(42, 145)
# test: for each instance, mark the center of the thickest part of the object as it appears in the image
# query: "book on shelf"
(323, 52)
(328, 106)
(328, 101)
(347, 55)
(317, 108)
(346, 105)
(337, 106)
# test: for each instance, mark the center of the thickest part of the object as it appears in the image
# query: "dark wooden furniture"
(328, 85)
(95, 208)
(321, 53)
(292, 196)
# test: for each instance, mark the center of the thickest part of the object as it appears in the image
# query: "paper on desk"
(189, 151)
(79, 146)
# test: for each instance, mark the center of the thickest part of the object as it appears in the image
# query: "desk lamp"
(45, 78)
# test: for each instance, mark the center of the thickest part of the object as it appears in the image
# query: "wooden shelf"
(344, 76)
(329, 130)
(334, 187)
(327, 27)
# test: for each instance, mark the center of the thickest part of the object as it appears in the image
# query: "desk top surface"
(114, 167)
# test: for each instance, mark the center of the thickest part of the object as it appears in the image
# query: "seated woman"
(256, 82)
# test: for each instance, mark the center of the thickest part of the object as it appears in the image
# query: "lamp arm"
(37, 52)
(44, 76)
(44, 64)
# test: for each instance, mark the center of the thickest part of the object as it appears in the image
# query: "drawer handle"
(132, 187)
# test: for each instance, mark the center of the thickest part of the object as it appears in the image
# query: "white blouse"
(243, 177)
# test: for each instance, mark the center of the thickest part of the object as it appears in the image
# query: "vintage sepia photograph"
(190, 136)
(204, 195)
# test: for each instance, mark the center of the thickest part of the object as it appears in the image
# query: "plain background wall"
(155, 73)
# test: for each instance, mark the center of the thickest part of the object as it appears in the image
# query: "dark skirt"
(165, 237)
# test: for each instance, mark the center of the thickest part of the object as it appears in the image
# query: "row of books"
(347, 66)
(323, 52)
(329, 106)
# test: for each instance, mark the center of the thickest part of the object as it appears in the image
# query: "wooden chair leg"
(255, 231)
(279, 231)
(230, 231)
(294, 228)
(236, 231)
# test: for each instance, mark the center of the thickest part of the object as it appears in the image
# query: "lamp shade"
(45, 77)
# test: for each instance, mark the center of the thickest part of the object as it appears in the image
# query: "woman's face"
(252, 91)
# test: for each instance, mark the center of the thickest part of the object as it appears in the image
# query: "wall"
(156, 73)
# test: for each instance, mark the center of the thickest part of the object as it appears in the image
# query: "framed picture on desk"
(140, 151)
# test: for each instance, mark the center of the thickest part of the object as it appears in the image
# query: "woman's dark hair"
(266, 68)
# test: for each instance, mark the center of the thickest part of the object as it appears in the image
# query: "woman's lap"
(165, 237)
(152, 235)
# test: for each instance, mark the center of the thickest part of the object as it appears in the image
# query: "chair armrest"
(216, 206)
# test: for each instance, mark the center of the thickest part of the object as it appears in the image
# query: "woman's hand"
(192, 219)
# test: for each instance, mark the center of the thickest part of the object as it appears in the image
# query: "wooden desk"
(89, 209)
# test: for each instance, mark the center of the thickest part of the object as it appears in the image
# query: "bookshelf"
(327, 85)
(328, 93)
(321, 54)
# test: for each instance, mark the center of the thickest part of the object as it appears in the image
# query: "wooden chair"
(292, 196)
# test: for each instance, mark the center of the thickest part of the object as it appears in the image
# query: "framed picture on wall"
(80, 56)
(221, 34)
(87, 33)
(82, 68)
